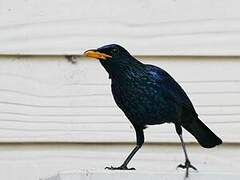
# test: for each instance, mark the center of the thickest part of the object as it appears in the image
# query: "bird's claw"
(120, 168)
(186, 166)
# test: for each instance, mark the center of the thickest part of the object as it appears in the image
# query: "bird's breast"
(140, 101)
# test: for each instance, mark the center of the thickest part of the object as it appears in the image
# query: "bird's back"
(170, 88)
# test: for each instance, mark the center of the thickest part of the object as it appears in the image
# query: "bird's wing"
(169, 87)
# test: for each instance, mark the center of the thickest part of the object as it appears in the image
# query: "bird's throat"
(124, 70)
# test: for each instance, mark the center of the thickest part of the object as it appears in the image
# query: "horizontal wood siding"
(166, 27)
(28, 161)
(48, 99)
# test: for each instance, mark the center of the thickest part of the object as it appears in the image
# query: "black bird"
(148, 95)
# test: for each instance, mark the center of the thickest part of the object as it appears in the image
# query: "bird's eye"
(114, 51)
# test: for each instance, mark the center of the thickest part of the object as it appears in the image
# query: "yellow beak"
(96, 54)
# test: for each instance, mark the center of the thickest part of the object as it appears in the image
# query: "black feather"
(148, 95)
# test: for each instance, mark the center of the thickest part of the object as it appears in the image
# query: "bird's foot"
(122, 167)
(186, 166)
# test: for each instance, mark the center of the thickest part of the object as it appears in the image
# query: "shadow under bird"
(148, 95)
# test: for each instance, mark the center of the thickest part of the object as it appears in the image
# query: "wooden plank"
(48, 99)
(29, 161)
(145, 28)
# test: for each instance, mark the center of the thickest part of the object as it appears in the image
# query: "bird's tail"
(202, 133)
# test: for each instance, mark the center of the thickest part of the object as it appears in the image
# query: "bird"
(148, 95)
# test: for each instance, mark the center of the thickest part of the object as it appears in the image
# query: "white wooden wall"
(150, 27)
(48, 99)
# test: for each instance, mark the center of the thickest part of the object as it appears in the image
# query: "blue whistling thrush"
(148, 95)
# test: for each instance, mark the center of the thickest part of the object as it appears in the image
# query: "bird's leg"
(187, 164)
(140, 141)
(128, 159)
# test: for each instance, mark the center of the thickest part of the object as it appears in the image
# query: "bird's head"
(112, 52)
(113, 57)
